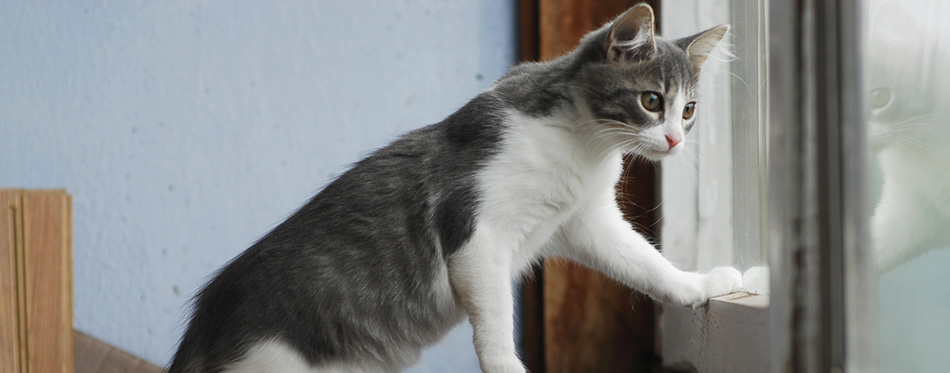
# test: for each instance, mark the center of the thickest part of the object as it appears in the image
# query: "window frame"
(725, 155)
(705, 224)
(816, 224)
(822, 281)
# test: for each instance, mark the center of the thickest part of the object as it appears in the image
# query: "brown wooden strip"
(49, 342)
(9, 317)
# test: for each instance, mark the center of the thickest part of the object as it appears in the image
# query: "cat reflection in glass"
(434, 227)
(909, 102)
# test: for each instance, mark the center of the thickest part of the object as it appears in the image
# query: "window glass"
(907, 98)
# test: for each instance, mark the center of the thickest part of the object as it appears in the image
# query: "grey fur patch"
(355, 270)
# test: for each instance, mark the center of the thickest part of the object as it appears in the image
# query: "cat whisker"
(745, 84)
(654, 208)
(635, 152)
(902, 130)
(614, 122)
(915, 119)
(918, 144)
(626, 198)
(691, 152)
(608, 150)
(704, 146)
(620, 146)
(691, 166)
(605, 135)
(693, 159)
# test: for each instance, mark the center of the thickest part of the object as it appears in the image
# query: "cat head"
(638, 92)
(906, 83)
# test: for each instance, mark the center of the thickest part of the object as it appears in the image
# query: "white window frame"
(714, 195)
(706, 225)
(696, 186)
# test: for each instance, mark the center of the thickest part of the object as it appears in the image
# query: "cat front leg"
(601, 239)
(480, 273)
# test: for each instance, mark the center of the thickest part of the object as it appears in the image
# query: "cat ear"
(632, 34)
(699, 46)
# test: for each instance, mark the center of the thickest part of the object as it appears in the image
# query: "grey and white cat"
(909, 132)
(434, 227)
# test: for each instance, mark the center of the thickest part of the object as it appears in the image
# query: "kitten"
(907, 99)
(434, 227)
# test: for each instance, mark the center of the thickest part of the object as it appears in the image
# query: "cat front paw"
(722, 281)
(694, 289)
(756, 280)
(699, 287)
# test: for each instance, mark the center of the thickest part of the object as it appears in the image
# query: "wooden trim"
(36, 303)
(48, 285)
(36, 281)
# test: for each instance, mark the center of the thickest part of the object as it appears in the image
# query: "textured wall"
(186, 130)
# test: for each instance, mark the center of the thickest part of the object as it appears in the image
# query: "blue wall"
(186, 130)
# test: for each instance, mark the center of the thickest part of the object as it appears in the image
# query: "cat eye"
(689, 110)
(651, 101)
(880, 98)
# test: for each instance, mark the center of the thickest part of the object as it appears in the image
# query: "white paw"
(722, 281)
(685, 290)
(509, 364)
(756, 280)
(694, 289)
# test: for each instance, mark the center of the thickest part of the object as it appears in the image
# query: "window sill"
(739, 299)
(728, 334)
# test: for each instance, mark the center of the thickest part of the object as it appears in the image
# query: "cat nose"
(672, 141)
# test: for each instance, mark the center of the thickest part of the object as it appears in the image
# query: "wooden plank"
(591, 322)
(91, 354)
(48, 292)
(9, 315)
(95, 356)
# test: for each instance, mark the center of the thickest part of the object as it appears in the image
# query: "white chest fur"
(544, 173)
